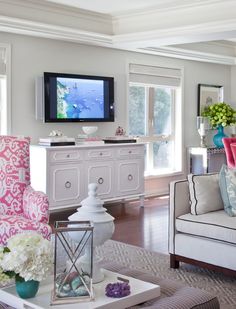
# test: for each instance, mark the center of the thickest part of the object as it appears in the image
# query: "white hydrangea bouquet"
(27, 255)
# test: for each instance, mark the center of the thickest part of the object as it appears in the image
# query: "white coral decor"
(30, 256)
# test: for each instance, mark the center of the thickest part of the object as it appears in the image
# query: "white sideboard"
(64, 172)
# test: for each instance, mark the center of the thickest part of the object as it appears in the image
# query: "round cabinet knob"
(130, 151)
(68, 156)
(100, 180)
(101, 153)
(130, 177)
(68, 184)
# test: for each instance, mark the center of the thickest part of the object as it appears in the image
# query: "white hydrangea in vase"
(28, 258)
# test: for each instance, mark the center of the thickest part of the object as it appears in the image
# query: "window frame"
(150, 137)
(7, 76)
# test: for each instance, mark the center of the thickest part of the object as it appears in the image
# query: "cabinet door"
(66, 185)
(101, 173)
(130, 177)
(215, 162)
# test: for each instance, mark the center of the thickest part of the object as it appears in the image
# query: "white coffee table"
(140, 292)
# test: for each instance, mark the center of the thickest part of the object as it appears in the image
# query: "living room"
(44, 36)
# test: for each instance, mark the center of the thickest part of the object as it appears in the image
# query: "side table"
(205, 160)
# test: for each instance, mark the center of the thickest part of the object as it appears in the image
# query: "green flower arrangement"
(220, 114)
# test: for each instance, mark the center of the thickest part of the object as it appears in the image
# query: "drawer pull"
(100, 180)
(68, 184)
(130, 177)
(101, 153)
(68, 156)
(130, 151)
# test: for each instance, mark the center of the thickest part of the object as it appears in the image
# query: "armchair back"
(227, 141)
(14, 173)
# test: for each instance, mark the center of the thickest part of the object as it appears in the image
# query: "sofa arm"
(35, 205)
(179, 205)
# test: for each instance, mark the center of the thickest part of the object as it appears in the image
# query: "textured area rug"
(158, 264)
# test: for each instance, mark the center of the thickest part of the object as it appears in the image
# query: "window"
(3, 99)
(155, 116)
(5, 106)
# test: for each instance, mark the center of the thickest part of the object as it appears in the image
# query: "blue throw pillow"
(227, 183)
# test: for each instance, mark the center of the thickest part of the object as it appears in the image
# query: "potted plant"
(28, 258)
(220, 115)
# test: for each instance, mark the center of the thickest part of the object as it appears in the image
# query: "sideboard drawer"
(64, 156)
(130, 152)
(99, 154)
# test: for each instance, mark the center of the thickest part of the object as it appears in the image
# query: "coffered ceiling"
(203, 30)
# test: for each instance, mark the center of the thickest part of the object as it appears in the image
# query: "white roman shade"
(154, 75)
(2, 61)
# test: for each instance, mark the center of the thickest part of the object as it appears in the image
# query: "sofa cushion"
(214, 225)
(227, 183)
(204, 193)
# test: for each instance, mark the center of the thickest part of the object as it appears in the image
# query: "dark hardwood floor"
(144, 227)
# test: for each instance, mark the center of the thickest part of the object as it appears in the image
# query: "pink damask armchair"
(21, 208)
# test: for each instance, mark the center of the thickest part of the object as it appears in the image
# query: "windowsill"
(166, 174)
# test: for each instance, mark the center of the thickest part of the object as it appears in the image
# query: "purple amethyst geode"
(118, 289)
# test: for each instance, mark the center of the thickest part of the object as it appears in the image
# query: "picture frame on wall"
(208, 95)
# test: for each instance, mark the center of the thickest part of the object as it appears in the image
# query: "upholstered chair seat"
(21, 208)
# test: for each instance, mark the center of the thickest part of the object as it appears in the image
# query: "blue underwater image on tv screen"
(80, 98)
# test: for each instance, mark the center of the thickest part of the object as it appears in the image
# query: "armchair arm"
(179, 205)
(35, 205)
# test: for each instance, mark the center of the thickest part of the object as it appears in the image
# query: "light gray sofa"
(207, 240)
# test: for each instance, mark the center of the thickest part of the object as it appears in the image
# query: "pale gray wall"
(233, 85)
(32, 56)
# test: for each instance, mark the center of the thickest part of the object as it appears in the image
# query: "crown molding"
(214, 47)
(165, 6)
(26, 27)
(56, 14)
(53, 7)
(222, 43)
(189, 55)
(179, 35)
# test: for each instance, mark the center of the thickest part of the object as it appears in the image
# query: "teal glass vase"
(26, 289)
(217, 138)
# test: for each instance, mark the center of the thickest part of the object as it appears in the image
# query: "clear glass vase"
(203, 126)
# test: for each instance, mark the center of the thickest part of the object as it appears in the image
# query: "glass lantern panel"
(73, 262)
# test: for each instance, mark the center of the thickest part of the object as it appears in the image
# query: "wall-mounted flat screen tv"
(74, 98)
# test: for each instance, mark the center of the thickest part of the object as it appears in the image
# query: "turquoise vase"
(26, 289)
(217, 139)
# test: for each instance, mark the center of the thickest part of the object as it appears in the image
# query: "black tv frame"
(108, 104)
